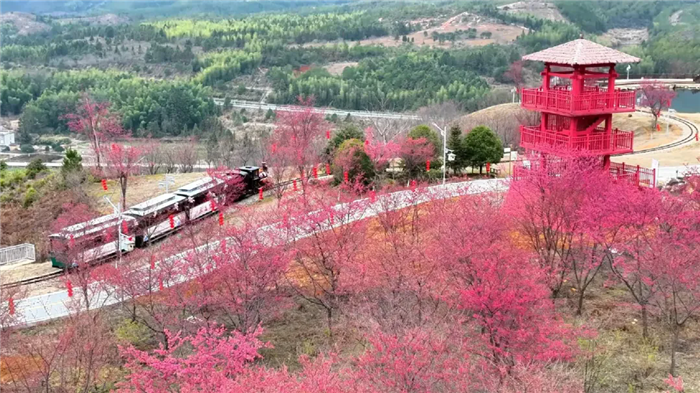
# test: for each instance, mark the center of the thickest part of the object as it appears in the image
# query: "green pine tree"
(481, 145)
(455, 142)
(72, 162)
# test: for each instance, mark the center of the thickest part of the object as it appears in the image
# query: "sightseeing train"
(96, 240)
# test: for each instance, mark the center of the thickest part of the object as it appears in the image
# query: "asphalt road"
(340, 112)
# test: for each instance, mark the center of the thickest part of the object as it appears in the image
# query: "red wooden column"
(545, 96)
(612, 75)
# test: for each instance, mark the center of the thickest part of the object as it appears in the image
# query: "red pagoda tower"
(576, 109)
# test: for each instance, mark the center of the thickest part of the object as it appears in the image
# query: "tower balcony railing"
(591, 101)
(641, 176)
(598, 142)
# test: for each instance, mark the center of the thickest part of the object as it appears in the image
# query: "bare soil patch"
(337, 68)
(538, 9)
(100, 20)
(625, 37)
(500, 33)
(25, 23)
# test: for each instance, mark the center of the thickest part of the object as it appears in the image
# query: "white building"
(7, 138)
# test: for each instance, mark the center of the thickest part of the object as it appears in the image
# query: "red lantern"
(69, 288)
(153, 262)
(104, 184)
(160, 283)
(345, 176)
(427, 166)
(260, 194)
(172, 221)
(366, 142)
(315, 171)
(328, 134)
(213, 205)
(328, 169)
(488, 167)
(413, 185)
(221, 219)
(11, 306)
(274, 148)
(125, 227)
(294, 182)
(658, 127)
(372, 196)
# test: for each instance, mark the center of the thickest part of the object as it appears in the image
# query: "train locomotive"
(104, 237)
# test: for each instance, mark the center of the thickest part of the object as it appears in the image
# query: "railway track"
(688, 138)
(33, 280)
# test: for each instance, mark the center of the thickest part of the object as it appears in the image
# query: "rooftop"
(581, 52)
(92, 226)
(154, 205)
(198, 187)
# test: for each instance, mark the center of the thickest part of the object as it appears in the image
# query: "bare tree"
(186, 156)
(246, 149)
(442, 114)
(387, 129)
(153, 157)
(227, 149)
(169, 159)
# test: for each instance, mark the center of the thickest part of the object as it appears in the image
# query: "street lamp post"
(629, 67)
(444, 151)
(117, 211)
(169, 181)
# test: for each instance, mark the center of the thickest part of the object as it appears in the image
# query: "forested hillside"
(398, 56)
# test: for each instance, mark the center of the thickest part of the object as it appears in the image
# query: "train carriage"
(158, 217)
(91, 241)
(95, 240)
(200, 195)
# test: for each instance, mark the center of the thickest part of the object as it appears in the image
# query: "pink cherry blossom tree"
(97, 123)
(214, 360)
(657, 97)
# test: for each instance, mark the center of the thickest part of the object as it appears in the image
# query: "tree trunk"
(123, 182)
(579, 309)
(674, 347)
(329, 316)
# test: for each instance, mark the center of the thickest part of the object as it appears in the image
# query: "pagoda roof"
(581, 52)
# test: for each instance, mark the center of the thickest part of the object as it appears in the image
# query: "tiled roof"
(581, 52)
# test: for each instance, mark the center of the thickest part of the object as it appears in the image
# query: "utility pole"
(444, 151)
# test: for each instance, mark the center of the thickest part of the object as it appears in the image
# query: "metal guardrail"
(20, 252)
